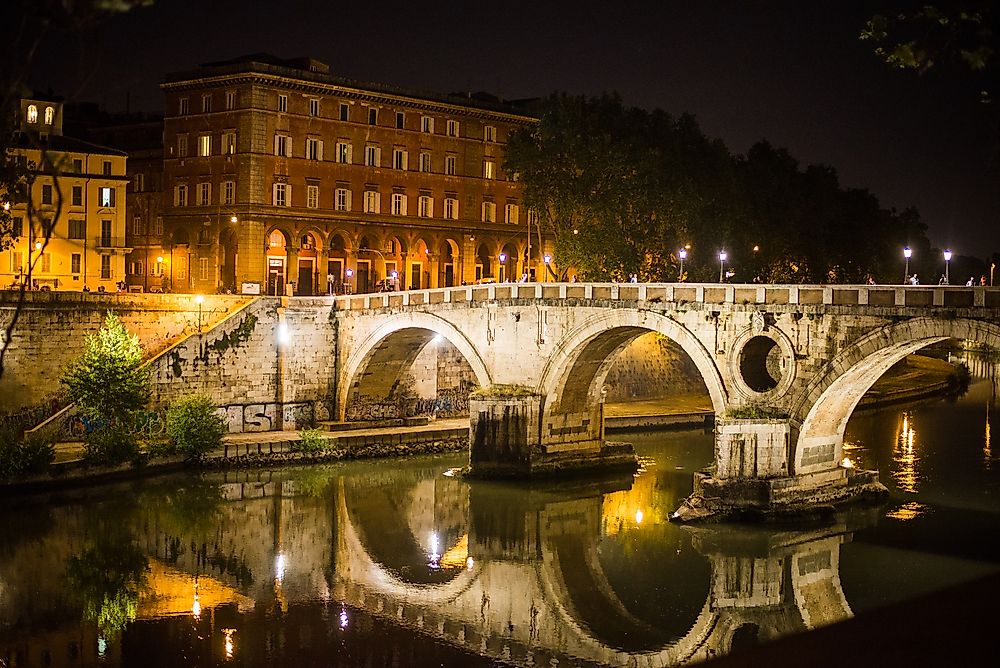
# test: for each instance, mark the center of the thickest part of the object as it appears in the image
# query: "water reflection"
(408, 565)
(905, 472)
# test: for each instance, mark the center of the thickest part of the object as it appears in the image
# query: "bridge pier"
(508, 440)
(754, 476)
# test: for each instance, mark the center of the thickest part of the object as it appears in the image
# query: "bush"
(111, 445)
(193, 426)
(21, 456)
(310, 441)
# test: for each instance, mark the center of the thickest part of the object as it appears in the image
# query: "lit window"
(425, 206)
(452, 128)
(205, 145)
(449, 165)
(282, 103)
(312, 197)
(373, 201)
(489, 212)
(489, 133)
(277, 239)
(344, 153)
(489, 169)
(399, 158)
(342, 201)
(510, 214)
(398, 204)
(105, 196)
(32, 113)
(451, 208)
(281, 194)
(427, 124)
(50, 115)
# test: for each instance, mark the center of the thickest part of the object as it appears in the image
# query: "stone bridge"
(784, 365)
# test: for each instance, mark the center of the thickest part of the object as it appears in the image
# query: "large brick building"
(276, 172)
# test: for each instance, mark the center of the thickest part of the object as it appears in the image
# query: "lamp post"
(502, 274)
(907, 253)
(349, 273)
(200, 299)
(682, 254)
(722, 264)
(947, 262)
(547, 259)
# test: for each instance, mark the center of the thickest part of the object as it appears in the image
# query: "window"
(180, 195)
(451, 208)
(282, 103)
(342, 199)
(532, 217)
(228, 192)
(510, 213)
(427, 124)
(182, 106)
(50, 115)
(106, 196)
(314, 106)
(137, 226)
(344, 111)
(489, 133)
(204, 194)
(398, 204)
(452, 128)
(344, 153)
(205, 145)
(206, 103)
(372, 116)
(314, 148)
(282, 144)
(158, 230)
(489, 169)
(230, 100)
(425, 206)
(46, 194)
(46, 263)
(106, 233)
(77, 229)
(281, 192)
(399, 158)
(449, 165)
(138, 182)
(229, 142)
(16, 262)
(203, 269)
(489, 212)
(424, 164)
(182, 146)
(373, 155)
(32, 113)
(400, 120)
(18, 226)
(74, 263)
(312, 197)
(78, 166)
(373, 201)
(105, 267)
(78, 195)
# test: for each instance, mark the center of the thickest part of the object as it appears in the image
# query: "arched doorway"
(307, 282)
(448, 268)
(485, 264)
(275, 262)
(336, 263)
(509, 262)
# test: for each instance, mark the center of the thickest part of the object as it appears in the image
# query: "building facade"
(69, 223)
(278, 177)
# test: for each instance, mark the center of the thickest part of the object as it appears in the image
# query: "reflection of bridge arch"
(826, 405)
(389, 351)
(575, 371)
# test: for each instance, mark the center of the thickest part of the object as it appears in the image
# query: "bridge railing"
(921, 296)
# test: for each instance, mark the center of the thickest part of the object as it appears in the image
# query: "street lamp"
(906, 272)
(547, 259)
(502, 274)
(349, 273)
(947, 261)
(682, 254)
(200, 299)
(722, 264)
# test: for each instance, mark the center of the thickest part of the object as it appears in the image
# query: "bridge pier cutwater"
(783, 365)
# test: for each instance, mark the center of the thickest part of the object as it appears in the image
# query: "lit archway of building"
(510, 262)
(449, 265)
(336, 262)
(307, 278)
(486, 262)
(419, 265)
(394, 255)
(364, 272)
(276, 261)
(228, 247)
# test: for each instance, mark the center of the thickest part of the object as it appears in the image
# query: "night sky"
(791, 72)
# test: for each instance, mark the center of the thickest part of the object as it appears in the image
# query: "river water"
(398, 563)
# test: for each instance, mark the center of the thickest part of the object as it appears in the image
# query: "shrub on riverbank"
(193, 426)
(111, 445)
(24, 455)
(310, 441)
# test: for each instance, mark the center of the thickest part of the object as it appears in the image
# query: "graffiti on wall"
(447, 403)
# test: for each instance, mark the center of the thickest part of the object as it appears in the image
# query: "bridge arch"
(579, 363)
(391, 348)
(829, 400)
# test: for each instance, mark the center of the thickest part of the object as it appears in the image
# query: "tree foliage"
(194, 427)
(622, 190)
(108, 382)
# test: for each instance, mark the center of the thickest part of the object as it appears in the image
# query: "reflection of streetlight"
(682, 254)
(200, 299)
(947, 261)
(722, 264)
(907, 253)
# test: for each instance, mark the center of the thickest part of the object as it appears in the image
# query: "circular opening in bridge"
(760, 364)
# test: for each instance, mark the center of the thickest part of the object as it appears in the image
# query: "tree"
(194, 427)
(108, 382)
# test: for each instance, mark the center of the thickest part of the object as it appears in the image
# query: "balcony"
(109, 243)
